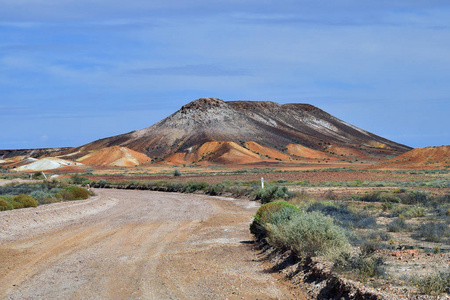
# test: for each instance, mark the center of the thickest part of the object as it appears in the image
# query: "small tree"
(37, 175)
(177, 173)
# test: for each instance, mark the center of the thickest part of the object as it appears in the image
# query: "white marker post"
(262, 182)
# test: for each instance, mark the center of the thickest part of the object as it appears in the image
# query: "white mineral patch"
(47, 163)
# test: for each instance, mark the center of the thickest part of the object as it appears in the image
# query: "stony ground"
(135, 245)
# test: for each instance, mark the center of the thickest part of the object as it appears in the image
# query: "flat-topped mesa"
(269, 124)
(272, 106)
(253, 105)
(302, 106)
(203, 104)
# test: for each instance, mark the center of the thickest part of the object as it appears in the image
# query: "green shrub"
(362, 266)
(378, 235)
(16, 205)
(43, 197)
(24, 200)
(371, 197)
(416, 197)
(175, 187)
(284, 215)
(265, 215)
(380, 197)
(414, 212)
(388, 197)
(342, 215)
(4, 205)
(191, 187)
(397, 225)
(239, 191)
(308, 235)
(433, 231)
(177, 173)
(386, 206)
(73, 193)
(216, 189)
(271, 193)
(79, 179)
(437, 201)
(397, 210)
(365, 221)
(433, 284)
(38, 175)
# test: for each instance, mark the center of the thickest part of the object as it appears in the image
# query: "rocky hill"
(210, 130)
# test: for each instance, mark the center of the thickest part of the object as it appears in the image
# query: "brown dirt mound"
(115, 156)
(215, 152)
(302, 151)
(266, 151)
(419, 158)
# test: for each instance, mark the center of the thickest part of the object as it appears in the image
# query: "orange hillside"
(419, 158)
(215, 152)
(266, 151)
(302, 151)
(115, 156)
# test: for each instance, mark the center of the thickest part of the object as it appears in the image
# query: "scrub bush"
(191, 187)
(73, 193)
(413, 212)
(308, 235)
(4, 205)
(266, 214)
(344, 216)
(43, 197)
(362, 266)
(24, 200)
(271, 193)
(433, 284)
(80, 180)
(380, 197)
(397, 225)
(433, 231)
(216, 189)
(416, 197)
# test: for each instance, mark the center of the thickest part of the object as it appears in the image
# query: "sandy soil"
(135, 245)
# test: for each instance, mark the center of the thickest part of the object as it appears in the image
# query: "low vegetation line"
(15, 196)
(251, 190)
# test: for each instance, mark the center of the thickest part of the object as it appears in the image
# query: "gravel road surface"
(125, 244)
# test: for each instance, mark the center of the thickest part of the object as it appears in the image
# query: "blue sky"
(73, 71)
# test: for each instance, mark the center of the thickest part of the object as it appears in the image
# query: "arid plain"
(133, 240)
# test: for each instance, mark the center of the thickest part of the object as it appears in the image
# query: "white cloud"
(66, 54)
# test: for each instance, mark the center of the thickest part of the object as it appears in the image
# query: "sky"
(74, 71)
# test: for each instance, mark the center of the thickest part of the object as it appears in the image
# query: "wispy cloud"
(191, 70)
(87, 61)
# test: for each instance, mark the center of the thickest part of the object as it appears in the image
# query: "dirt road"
(134, 245)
